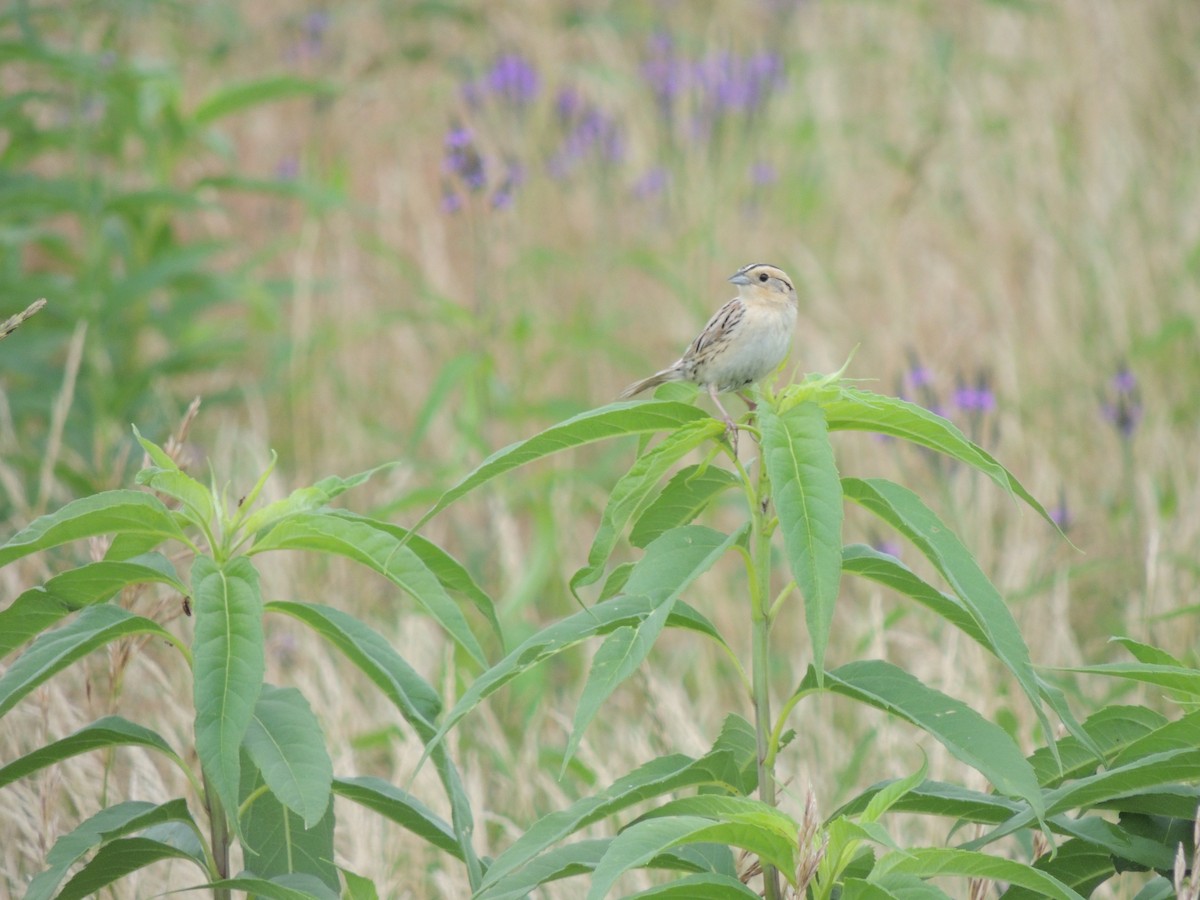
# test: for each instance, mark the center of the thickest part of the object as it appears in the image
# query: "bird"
(743, 342)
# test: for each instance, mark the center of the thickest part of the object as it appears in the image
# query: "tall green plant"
(106, 165)
(266, 781)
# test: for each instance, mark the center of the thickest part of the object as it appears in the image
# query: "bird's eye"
(762, 276)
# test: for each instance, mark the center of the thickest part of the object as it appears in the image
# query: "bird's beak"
(740, 278)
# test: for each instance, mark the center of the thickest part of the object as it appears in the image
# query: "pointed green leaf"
(856, 409)
(808, 500)
(905, 511)
(119, 858)
(634, 489)
(287, 745)
(670, 565)
(936, 862)
(448, 570)
(196, 501)
(984, 746)
(110, 731)
(233, 98)
(1081, 866)
(54, 650)
(276, 843)
(375, 657)
(229, 667)
(381, 551)
(39, 608)
(1180, 680)
(307, 499)
(129, 512)
(653, 779)
(412, 695)
(632, 417)
(641, 842)
(400, 807)
(702, 886)
(600, 619)
(281, 887)
(684, 497)
(108, 824)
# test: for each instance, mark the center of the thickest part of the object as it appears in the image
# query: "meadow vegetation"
(405, 235)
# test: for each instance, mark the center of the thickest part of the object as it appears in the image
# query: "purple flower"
(1124, 381)
(513, 79)
(890, 547)
(976, 399)
(1123, 407)
(451, 201)
(593, 135)
(287, 169)
(567, 104)
(502, 197)
(653, 182)
(1060, 514)
(462, 159)
(762, 173)
(664, 71)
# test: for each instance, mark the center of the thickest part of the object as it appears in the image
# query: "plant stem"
(760, 613)
(219, 835)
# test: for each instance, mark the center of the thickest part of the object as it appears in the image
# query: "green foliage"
(1117, 793)
(106, 164)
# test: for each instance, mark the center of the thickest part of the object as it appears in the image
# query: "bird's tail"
(671, 374)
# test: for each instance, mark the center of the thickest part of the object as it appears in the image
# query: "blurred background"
(418, 231)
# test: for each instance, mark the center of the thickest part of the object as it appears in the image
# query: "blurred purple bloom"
(451, 201)
(1124, 381)
(1060, 514)
(762, 173)
(653, 182)
(978, 399)
(287, 169)
(462, 159)
(502, 198)
(890, 547)
(664, 71)
(593, 135)
(736, 83)
(567, 104)
(513, 79)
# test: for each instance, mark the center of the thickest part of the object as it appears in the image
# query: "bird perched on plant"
(746, 340)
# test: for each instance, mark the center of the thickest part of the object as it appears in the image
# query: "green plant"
(267, 782)
(106, 167)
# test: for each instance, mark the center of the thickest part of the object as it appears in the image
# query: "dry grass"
(1009, 188)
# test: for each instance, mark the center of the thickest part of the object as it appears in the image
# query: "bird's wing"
(720, 326)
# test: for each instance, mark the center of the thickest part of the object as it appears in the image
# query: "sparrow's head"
(765, 282)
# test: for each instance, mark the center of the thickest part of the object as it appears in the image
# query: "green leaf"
(936, 862)
(935, 798)
(632, 417)
(603, 618)
(400, 807)
(984, 746)
(808, 501)
(701, 886)
(122, 856)
(229, 667)
(448, 570)
(573, 859)
(54, 650)
(123, 512)
(39, 608)
(307, 499)
(668, 568)
(905, 511)
(375, 657)
(1126, 782)
(660, 776)
(412, 695)
(276, 842)
(1179, 680)
(110, 731)
(1081, 866)
(381, 551)
(860, 410)
(641, 842)
(684, 497)
(285, 741)
(357, 887)
(281, 887)
(631, 493)
(235, 98)
(106, 825)
(195, 499)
